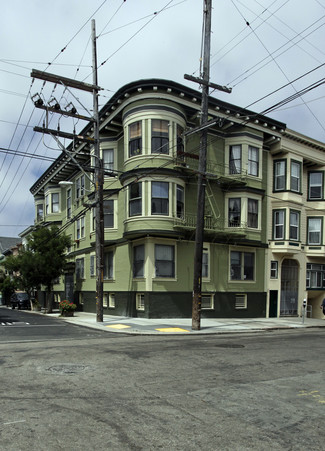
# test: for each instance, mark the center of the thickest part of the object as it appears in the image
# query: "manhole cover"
(226, 345)
(67, 368)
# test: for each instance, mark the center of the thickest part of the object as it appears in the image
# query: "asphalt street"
(106, 391)
(19, 325)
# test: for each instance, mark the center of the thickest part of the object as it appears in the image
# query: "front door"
(289, 288)
(273, 308)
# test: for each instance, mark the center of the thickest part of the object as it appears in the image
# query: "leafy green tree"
(43, 260)
(7, 288)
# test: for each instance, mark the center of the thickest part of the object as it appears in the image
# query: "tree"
(7, 287)
(43, 260)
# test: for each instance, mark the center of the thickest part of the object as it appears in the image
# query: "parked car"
(20, 300)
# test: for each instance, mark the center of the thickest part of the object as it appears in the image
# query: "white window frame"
(312, 185)
(206, 261)
(295, 178)
(319, 231)
(207, 301)
(108, 165)
(134, 199)
(80, 228)
(80, 272)
(274, 269)
(253, 162)
(173, 261)
(92, 265)
(161, 212)
(106, 274)
(293, 226)
(280, 175)
(240, 301)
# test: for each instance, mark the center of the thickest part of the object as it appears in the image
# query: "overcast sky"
(257, 47)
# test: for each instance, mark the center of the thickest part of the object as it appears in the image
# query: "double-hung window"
(179, 201)
(159, 136)
(164, 260)
(315, 185)
(138, 261)
(315, 276)
(278, 224)
(108, 207)
(108, 265)
(205, 263)
(280, 175)
(253, 161)
(234, 212)
(274, 269)
(69, 203)
(135, 199)
(295, 175)
(314, 230)
(80, 187)
(108, 159)
(242, 265)
(80, 228)
(294, 223)
(55, 203)
(80, 268)
(92, 265)
(180, 142)
(135, 139)
(252, 213)
(235, 159)
(39, 212)
(160, 198)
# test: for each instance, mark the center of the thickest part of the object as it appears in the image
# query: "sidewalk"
(178, 326)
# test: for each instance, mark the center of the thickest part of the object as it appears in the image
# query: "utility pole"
(99, 184)
(199, 233)
(99, 169)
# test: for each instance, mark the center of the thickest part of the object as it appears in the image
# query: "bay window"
(164, 260)
(159, 136)
(138, 261)
(252, 213)
(135, 199)
(234, 212)
(235, 159)
(294, 225)
(160, 198)
(295, 175)
(135, 139)
(280, 175)
(179, 201)
(278, 224)
(253, 161)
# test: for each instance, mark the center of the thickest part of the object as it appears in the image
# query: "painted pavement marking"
(172, 329)
(118, 326)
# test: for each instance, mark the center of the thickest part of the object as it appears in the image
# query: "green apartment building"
(263, 236)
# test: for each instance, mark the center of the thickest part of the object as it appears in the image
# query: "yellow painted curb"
(172, 329)
(118, 326)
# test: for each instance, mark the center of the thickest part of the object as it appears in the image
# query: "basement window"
(241, 301)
